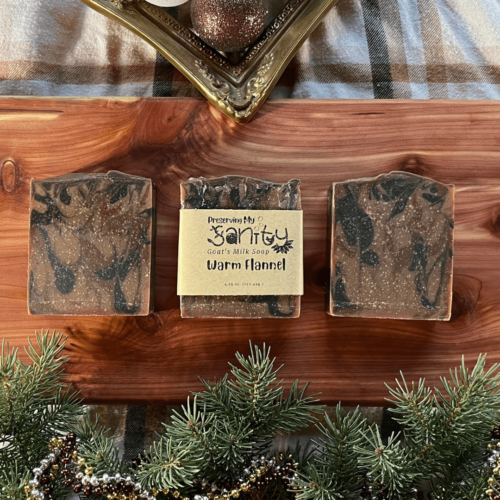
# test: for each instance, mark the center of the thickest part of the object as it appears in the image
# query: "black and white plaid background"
(135, 427)
(415, 49)
(364, 49)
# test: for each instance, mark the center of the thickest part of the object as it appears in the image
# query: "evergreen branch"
(36, 403)
(252, 388)
(296, 411)
(465, 477)
(219, 444)
(319, 484)
(236, 418)
(218, 397)
(332, 472)
(99, 452)
(12, 475)
(169, 465)
(437, 427)
(390, 465)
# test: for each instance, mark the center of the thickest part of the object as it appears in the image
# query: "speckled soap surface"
(240, 193)
(392, 248)
(91, 245)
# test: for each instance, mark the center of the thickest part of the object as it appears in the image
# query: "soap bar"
(391, 248)
(240, 193)
(91, 245)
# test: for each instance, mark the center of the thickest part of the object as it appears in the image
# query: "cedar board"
(157, 359)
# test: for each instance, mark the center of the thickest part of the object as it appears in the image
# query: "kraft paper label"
(240, 252)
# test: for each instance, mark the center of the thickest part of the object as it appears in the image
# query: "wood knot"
(466, 293)
(149, 324)
(493, 223)
(9, 176)
(496, 223)
(317, 275)
(412, 166)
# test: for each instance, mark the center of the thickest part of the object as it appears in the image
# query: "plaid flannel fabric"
(135, 428)
(420, 49)
(365, 49)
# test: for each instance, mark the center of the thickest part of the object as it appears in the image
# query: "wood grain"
(159, 358)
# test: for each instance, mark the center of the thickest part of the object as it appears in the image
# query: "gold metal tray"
(237, 89)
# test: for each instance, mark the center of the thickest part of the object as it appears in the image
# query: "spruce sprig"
(99, 451)
(36, 404)
(465, 477)
(223, 431)
(440, 426)
(332, 472)
(168, 464)
(228, 424)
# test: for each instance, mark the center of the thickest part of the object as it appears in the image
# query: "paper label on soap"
(240, 252)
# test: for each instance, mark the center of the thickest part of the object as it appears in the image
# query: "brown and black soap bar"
(392, 248)
(235, 192)
(91, 245)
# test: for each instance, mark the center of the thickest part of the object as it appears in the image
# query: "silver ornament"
(37, 471)
(105, 478)
(94, 481)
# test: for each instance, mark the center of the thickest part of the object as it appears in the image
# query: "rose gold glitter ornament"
(229, 25)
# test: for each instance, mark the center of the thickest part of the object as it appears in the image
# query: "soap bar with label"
(391, 248)
(235, 192)
(91, 245)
